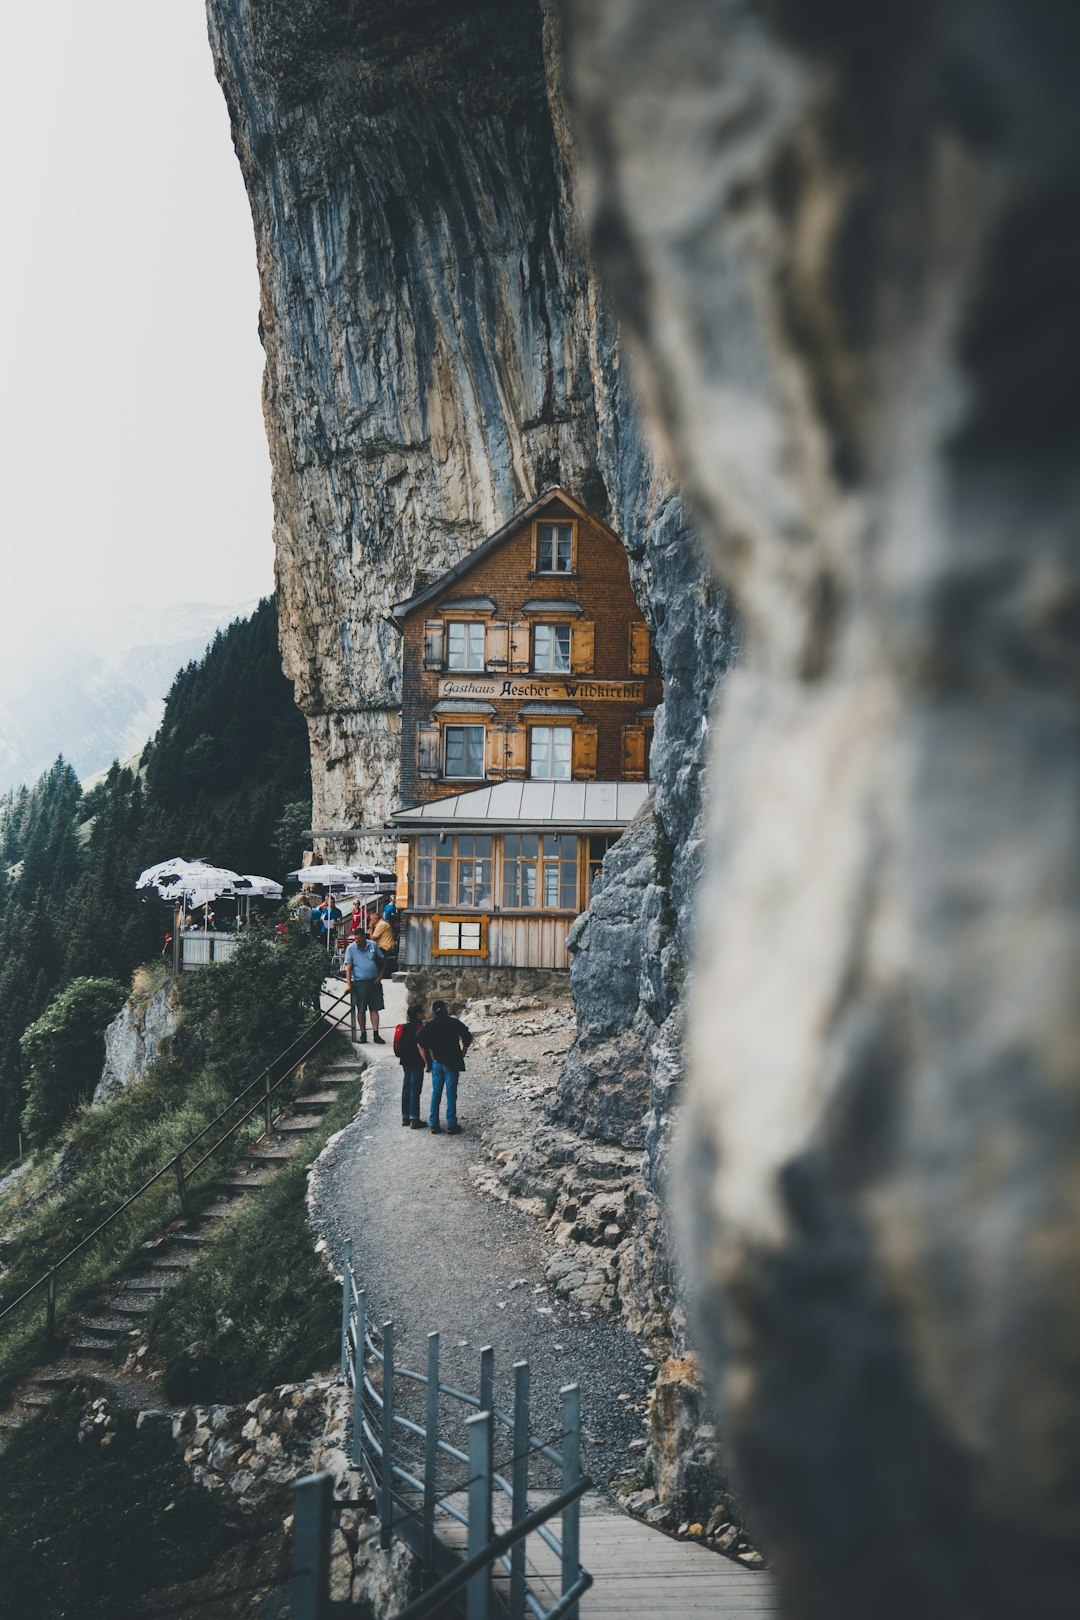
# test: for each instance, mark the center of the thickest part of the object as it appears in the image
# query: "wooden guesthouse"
(528, 693)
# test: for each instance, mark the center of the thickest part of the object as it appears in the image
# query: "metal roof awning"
(532, 804)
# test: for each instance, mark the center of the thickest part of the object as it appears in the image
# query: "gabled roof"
(533, 804)
(401, 610)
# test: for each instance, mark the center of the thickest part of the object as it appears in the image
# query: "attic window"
(555, 546)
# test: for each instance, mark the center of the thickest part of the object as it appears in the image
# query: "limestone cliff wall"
(438, 350)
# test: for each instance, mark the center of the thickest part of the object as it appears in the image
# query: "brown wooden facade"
(529, 659)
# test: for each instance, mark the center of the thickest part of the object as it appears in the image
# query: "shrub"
(63, 1051)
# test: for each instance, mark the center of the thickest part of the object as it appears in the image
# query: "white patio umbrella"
(249, 887)
(166, 873)
(328, 877)
(202, 883)
(260, 888)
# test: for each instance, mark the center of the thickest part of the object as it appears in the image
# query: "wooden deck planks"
(640, 1572)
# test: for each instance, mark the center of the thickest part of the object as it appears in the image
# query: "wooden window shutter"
(496, 644)
(633, 753)
(639, 649)
(434, 641)
(516, 756)
(583, 765)
(401, 891)
(427, 750)
(496, 751)
(582, 648)
(519, 645)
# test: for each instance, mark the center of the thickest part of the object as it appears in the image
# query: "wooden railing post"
(311, 1547)
(386, 1503)
(478, 1604)
(571, 1473)
(431, 1457)
(519, 1483)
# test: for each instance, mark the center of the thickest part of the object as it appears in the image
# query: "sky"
(133, 462)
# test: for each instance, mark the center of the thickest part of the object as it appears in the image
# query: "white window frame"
(551, 632)
(554, 524)
(549, 774)
(472, 653)
(455, 776)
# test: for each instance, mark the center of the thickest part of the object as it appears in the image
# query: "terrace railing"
(436, 1456)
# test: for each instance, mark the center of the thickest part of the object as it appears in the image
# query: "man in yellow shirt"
(385, 937)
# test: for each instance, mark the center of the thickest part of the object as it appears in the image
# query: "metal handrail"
(175, 1163)
(374, 1423)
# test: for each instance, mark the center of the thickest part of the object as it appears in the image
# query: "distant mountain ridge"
(93, 688)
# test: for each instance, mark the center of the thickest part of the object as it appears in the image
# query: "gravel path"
(433, 1253)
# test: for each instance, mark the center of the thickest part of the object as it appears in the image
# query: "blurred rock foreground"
(843, 248)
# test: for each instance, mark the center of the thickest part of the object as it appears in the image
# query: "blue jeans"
(442, 1076)
(412, 1084)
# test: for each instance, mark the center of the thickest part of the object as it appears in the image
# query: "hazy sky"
(133, 465)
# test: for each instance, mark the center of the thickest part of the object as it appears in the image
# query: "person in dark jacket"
(413, 1065)
(444, 1042)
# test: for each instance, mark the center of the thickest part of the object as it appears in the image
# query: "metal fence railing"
(437, 1457)
(258, 1097)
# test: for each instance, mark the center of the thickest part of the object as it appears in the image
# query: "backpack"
(398, 1033)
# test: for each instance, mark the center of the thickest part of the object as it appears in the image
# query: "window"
(540, 871)
(550, 750)
(454, 871)
(463, 751)
(554, 548)
(551, 648)
(460, 936)
(520, 851)
(434, 870)
(472, 858)
(464, 644)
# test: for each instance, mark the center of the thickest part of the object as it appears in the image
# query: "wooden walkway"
(640, 1572)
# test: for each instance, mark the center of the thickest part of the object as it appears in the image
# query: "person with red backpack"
(413, 1064)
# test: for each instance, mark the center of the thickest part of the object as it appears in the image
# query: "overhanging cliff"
(438, 350)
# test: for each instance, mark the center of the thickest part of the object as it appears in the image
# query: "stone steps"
(318, 1102)
(106, 1324)
(89, 1346)
(134, 1305)
(97, 1334)
(273, 1156)
(237, 1186)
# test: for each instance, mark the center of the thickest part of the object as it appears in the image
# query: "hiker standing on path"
(444, 1042)
(363, 980)
(412, 1063)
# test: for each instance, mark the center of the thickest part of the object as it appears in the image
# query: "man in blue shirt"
(364, 967)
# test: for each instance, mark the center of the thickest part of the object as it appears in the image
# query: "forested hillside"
(226, 778)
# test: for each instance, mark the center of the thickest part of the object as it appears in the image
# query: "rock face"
(848, 254)
(133, 1040)
(439, 351)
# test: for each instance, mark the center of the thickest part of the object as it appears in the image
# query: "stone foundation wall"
(456, 984)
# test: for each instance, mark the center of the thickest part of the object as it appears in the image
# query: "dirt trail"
(434, 1253)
